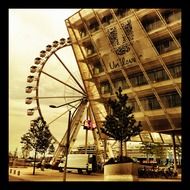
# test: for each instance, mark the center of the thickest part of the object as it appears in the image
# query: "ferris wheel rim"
(37, 85)
(41, 71)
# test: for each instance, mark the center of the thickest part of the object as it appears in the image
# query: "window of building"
(93, 26)
(171, 99)
(134, 104)
(171, 15)
(153, 103)
(175, 70)
(105, 87)
(151, 23)
(165, 45)
(97, 67)
(137, 79)
(82, 32)
(108, 19)
(89, 48)
(122, 12)
(157, 74)
(121, 82)
(150, 103)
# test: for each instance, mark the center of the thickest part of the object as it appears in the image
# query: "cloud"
(30, 30)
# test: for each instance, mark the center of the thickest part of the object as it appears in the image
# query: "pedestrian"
(43, 164)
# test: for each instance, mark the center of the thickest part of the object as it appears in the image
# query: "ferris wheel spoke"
(63, 83)
(68, 103)
(70, 73)
(53, 137)
(76, 108)
(49, 97)
(70, 92)
(76, 105)
(59, 116)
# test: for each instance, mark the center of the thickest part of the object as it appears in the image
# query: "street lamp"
(68, 136)
(69, 127)
(69, 103)
(52, 106)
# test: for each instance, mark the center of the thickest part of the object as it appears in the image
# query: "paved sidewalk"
(25, 174)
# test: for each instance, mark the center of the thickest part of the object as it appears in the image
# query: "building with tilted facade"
(138, 50)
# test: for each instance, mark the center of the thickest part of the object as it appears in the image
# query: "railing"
(173, 17)
(153, 26)
(165, 46)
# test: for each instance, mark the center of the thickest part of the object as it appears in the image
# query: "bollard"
(10, 170)
(18, 172)
(14, 172)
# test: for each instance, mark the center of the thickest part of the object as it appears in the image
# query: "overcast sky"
(30, 30)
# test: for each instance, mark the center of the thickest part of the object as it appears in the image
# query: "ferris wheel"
(54, 83)
(57, 84)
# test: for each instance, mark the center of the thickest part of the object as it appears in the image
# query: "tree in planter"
(38, 137)
(120, 123)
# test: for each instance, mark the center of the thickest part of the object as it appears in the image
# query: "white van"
(80, 162)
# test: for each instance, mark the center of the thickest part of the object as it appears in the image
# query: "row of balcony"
(155, 23)
(138, 79)
(105, 20)
(169, 100)
(162, 45)
(149, 24)
(166, 45)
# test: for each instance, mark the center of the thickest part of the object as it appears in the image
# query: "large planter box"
(121, 172)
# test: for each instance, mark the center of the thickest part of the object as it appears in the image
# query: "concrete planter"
(121, 172)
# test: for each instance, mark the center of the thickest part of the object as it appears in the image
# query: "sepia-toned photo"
(95, 95)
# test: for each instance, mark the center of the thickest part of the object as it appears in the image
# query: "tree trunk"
(147, 158)
(121, 150)
(125, 149)
(34, 162)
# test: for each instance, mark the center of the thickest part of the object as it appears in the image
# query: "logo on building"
(120, 41)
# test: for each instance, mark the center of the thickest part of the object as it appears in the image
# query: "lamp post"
(86, 141)
(86, 127)
(68, 136)
(69, 127)
(67, 145)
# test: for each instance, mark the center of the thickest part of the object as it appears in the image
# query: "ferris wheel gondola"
(49, 86)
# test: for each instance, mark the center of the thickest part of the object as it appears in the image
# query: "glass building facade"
(138, 50)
